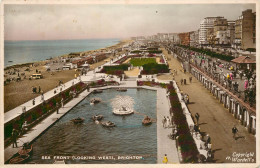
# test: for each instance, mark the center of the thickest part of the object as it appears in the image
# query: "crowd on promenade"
(239, 81)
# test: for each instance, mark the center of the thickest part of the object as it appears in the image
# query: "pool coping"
(47, 123)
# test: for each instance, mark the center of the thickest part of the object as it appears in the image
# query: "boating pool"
(90, 143)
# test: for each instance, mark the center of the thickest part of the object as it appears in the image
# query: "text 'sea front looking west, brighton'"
(130, 84)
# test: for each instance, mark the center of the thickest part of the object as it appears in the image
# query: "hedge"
(115, 70)
(154, 68)
(209, 53)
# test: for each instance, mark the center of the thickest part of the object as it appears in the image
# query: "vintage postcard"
(129, 83)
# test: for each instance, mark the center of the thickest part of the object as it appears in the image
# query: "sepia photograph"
(108, 83)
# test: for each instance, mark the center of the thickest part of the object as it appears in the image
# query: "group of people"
(34, 89)
(167, 122)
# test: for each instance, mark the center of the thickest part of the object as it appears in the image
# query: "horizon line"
(67, 39)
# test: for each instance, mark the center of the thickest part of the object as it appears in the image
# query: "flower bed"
(101, 83)
(42, 110)
(185, 140)
(151, 83)
(155, 51)
(154, 68)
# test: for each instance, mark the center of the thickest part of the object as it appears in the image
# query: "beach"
(19, 92)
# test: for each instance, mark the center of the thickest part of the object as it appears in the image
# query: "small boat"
(19, 159)
(77, 120)
(26, 150)
(94, 101)
(123, 111)
(108, 124)
(122, 89)
(10, 61)
(97, 91)
(97, 117)
(147, 121)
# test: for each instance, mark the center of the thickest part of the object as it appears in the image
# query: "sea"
(20, 52)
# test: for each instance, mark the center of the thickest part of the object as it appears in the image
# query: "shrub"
(209, 53)
(154, 68)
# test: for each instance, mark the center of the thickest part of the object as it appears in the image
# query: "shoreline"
(65, 55)
(18, 92)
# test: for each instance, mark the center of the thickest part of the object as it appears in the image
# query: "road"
(215, 120)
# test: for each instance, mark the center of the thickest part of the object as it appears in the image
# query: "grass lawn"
(142, 61)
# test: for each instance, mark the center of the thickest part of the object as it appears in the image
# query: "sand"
(17, 93)
(133, 72)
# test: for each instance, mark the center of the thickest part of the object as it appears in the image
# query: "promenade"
(215, 120)
(164, 143)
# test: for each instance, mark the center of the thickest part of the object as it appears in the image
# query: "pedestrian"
(208, 140)
(167, 122)
(209, 146)
(39, 89)
(55, 91)
(62, 103)
(234, 131)
(184, 81)
(57, 105)
(165, 159)
(184, 70)
(14, 137)
(42, 97)
(181, 81)
(197, 116)
(190, 79)
(33, 102)
(164, 121)
(24, 109)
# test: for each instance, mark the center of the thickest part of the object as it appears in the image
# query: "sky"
(57, 22)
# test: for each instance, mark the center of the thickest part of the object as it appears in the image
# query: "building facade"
(231, 32)
(205, 24)
(220, 31)
(184, 38)
(245, 30)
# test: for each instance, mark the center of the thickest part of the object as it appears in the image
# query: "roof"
(243, 60)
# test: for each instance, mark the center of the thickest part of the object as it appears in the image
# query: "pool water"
(89, 142)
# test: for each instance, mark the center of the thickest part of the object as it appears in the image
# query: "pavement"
(164, 143)
(215, 120)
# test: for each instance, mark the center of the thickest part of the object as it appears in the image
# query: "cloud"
(42, 22)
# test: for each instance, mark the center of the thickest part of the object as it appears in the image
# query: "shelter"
(245, 62)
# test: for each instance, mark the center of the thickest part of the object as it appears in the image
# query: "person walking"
(190, 79)
(234, 131)
(165, 159)
(208, 140)
(14, 137)
(33, 102)
(181, 81)
(57, 105)
(62, 105)
(39, 89)
(42, 97)
(167, 122)
(164, 121)
(197, 116)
